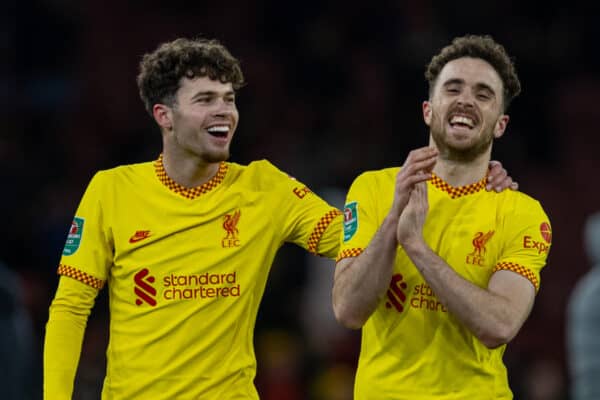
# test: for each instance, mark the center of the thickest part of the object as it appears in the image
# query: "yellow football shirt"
(412, 347)
(186, 270)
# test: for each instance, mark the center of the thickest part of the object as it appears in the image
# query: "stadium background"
(334, 88)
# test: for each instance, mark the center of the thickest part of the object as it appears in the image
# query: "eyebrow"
(453, 81)
(212, 93)
(479, 85)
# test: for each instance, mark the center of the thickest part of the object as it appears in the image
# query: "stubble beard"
(450, 152)
(216, 156)
(203, 152)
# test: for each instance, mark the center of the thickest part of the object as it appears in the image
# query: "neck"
(460, 173)
(187, 169)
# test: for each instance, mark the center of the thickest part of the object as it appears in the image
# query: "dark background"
(334, 88)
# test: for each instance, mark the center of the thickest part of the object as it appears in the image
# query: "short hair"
(485, 48)
(161, 71)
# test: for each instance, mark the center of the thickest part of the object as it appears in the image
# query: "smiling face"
(202, 120)
(465, 111)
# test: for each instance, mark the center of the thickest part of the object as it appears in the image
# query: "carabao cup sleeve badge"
(350, 220)
(74, 236)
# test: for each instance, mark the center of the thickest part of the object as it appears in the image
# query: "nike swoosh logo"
(139, 235)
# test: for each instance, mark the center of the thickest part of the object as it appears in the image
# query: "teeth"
(222, 128)
(458, 119)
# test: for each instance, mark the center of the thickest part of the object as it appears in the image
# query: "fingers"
(416, 169)
(420, 161)
(421, 156)
(496, 175)
(417, 177)
(412, 219)
(425, 166)
(498, 178)
(500, 182)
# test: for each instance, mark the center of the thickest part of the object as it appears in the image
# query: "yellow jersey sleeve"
(65, 329)
(363, 213)
(87, 255)
(527, 241)
(307, 220)
(84, 265)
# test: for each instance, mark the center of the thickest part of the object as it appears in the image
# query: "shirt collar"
(189, 193)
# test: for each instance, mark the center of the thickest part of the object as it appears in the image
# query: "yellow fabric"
(412, 348)
(69, 312)
(186, 270)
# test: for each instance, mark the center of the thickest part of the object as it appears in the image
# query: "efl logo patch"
(350, 220)
(74, 237)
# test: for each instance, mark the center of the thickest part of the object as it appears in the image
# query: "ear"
(163, 116)
(427, 112)
(500, 126)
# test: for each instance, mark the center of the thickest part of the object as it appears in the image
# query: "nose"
(466, 98)
(224, 109)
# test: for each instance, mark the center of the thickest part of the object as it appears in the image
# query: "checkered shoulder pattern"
(80, 276)
(459, 191)
(317, 233)
(519, 269)
(353, 252)
(189, 193)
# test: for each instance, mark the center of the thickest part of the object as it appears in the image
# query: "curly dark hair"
(162, 70)
(485, 48)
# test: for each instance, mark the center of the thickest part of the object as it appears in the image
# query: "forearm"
(62, 348)
(64, 336)
(360, 283)
(486, 314)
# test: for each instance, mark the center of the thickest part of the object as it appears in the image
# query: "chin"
(216, 157)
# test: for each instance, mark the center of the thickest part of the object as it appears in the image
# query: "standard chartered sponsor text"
(200, 286)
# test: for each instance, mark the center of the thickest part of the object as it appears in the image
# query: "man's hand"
(410, 225)
(498, 178)
(416, 169)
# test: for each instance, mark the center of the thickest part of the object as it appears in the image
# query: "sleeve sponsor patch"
(301, 192)
(540, 246)
(74, 236)
(350, 220)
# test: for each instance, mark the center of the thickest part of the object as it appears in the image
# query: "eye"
(483, 96)
(452, 90)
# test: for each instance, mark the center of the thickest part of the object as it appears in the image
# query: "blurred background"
(334, 88)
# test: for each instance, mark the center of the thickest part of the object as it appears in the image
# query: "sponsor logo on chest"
(421, 297)
(183, 287)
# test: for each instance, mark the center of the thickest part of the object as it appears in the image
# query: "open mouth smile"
(220, 131)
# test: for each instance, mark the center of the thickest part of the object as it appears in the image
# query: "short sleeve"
(88, 251)
(306, 219)
(528, 240)
(361, 220)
